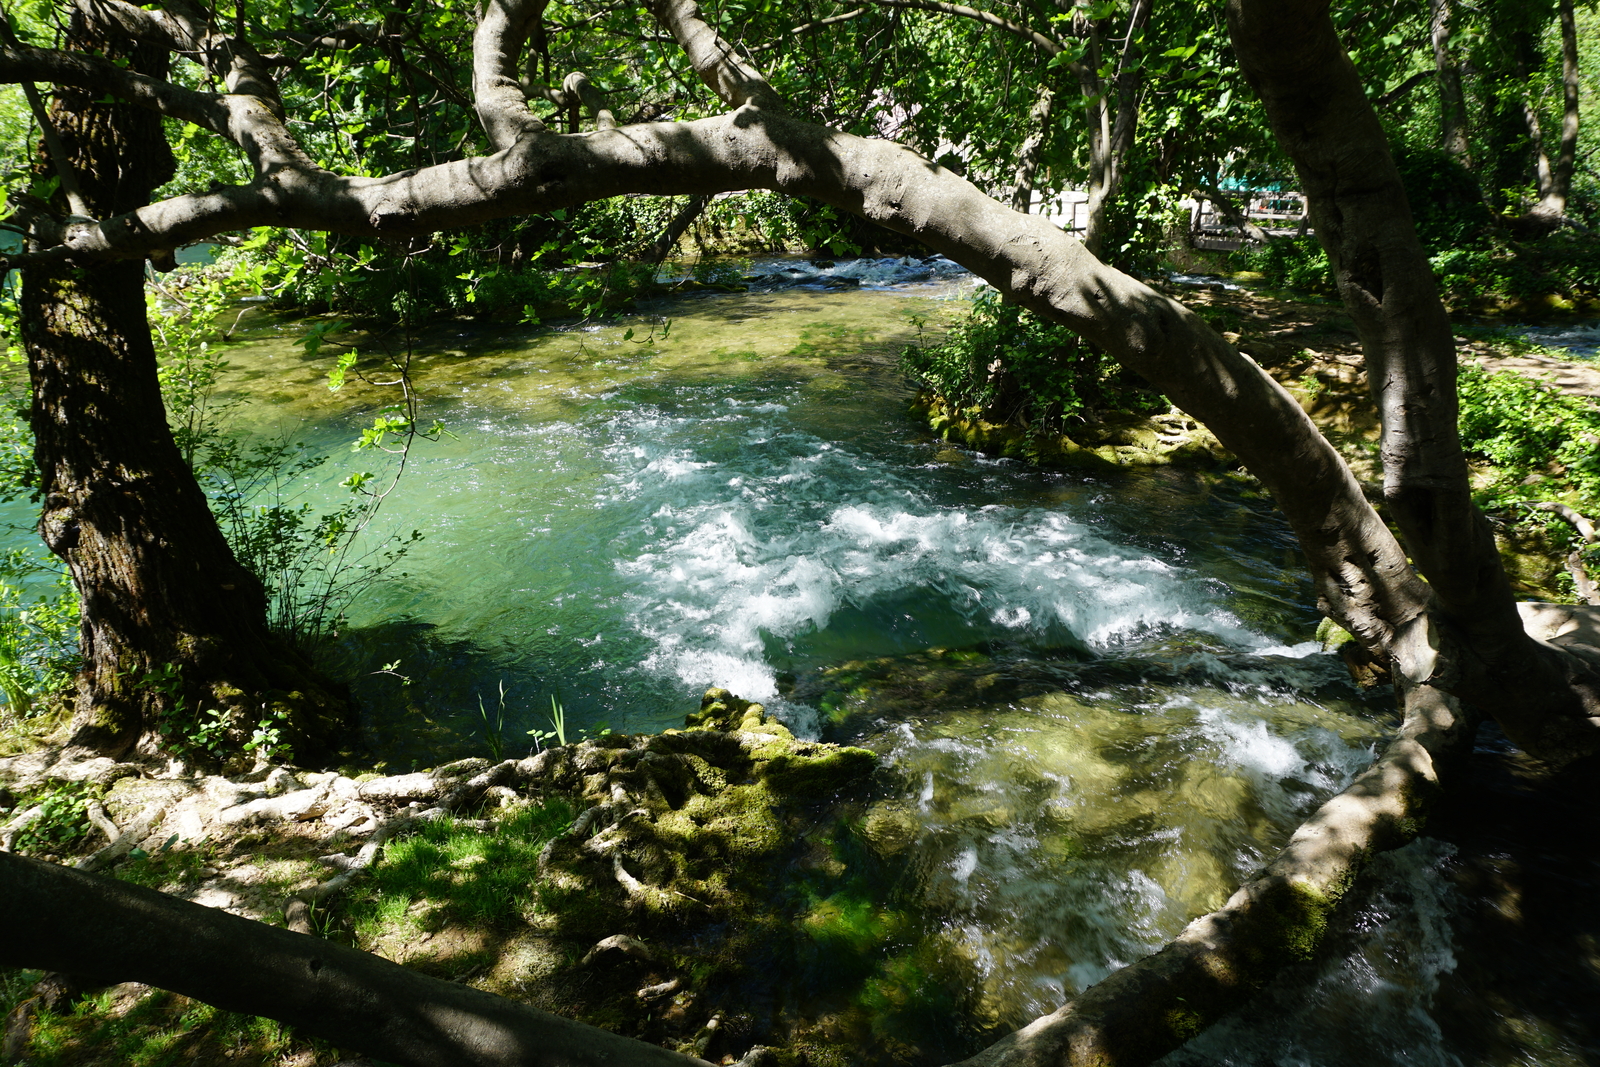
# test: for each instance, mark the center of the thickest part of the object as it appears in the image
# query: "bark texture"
(1546, 700)
(1032, 148)
(1452, 101)
(171, 623)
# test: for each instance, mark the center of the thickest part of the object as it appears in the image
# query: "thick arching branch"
(253, 105)
(1360, 571)
(497, 50)
(735, 81)
(25, 63)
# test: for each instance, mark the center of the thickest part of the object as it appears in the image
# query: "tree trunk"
(676, 227)
(1452, 102)
(172, 624)
(1555, 177)
(1547, 701)
(109, 931)
(1032, 148)
(1113, 116)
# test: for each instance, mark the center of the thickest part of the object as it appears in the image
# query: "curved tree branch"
(25, 63)
(497, 49)
(577, 86)
(1361, 574)
(735, 81)
(807, 27)
(253, 106)
(1048, 45)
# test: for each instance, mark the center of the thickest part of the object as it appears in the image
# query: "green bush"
(1008, 365)
(63, 818)
(1446, 205)
(1289, 263)
(1533, 434)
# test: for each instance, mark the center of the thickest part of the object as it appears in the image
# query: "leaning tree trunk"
(172, 625)
(1555, 176)
(1547, 701)
(109, 931)
(1452, 101)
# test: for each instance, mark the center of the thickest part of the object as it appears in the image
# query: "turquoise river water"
(1101, 696)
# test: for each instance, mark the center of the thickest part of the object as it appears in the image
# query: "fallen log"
(112, 931)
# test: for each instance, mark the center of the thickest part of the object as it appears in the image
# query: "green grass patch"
(450, 873)
(150, 1028)
(1544, 444)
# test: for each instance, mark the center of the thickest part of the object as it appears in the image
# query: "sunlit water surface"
(1099, 698)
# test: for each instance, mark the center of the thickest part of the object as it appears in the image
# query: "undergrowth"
(135, 1026)
(1005, 364)
(1540, 444)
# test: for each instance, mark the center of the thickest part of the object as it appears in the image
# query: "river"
(1100, 698)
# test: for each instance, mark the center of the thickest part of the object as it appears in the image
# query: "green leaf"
(336, 373)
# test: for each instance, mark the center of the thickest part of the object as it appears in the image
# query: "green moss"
(849, 923)
(1331, 635)
(1183, 1024)
(449, 873)
(818, 775)
(1295, 918)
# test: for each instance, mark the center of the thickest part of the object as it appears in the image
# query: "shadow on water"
(1527, 871)
(1475, 946)
(427, 698)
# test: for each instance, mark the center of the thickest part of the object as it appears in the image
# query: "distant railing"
(1277, 212)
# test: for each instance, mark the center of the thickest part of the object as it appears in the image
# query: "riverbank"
(688, 888)
(1310, 347)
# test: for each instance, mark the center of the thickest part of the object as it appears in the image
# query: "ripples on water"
(1099, 700)
(1580, 339)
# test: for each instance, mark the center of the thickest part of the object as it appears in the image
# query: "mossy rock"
(1119, 440)
(736, 853)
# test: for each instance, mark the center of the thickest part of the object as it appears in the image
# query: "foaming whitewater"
(1580, 339)
(1095, 702)
(1068, 834)
(750, 553)
(772, 273)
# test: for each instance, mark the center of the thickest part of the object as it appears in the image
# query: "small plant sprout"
(493, 725)
(558, 730)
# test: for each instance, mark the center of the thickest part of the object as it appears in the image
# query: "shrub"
(1008, 365)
